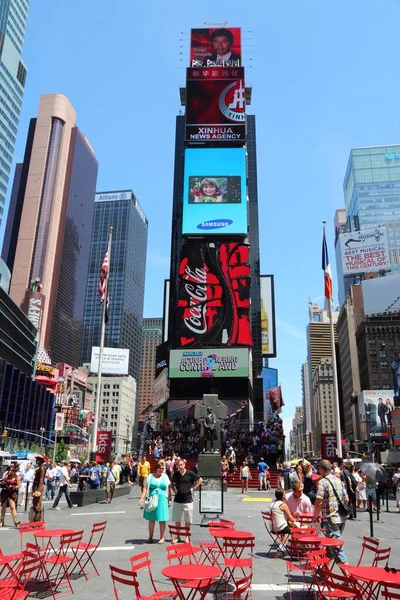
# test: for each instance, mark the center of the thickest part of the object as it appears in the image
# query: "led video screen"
(215, 192)
(216, 46)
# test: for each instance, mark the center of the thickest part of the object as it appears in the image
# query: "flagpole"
(101, 352)
(334, 372)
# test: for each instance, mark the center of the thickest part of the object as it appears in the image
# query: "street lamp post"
(42, 431)
(128, 422)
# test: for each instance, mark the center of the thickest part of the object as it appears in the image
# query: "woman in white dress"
(361, 493)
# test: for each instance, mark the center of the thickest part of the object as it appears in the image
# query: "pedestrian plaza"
(126, 534)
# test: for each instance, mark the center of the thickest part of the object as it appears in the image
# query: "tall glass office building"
(372, 197)
(13, 18)
(122, 211)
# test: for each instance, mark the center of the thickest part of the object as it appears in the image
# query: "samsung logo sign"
(392, 155)
(215, 224)
(112, 197)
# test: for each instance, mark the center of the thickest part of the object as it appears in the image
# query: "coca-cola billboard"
(214, 295)
(103, 446)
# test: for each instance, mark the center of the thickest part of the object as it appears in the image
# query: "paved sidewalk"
(126, 535)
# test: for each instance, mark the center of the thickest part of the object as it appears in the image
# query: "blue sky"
(325, 78)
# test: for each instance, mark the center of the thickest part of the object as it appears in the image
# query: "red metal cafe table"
(230, 535)
(322, 542)
(50, 535)
(199, 576)
(377, 577)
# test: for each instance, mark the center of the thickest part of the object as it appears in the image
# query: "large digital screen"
(210, 362)
(213, 295)
(375, 408)
(215, 191)
(270, 380)
(217, 46)
(215, 106)
(268, 336)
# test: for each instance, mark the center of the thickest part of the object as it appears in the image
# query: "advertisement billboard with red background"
(103, 446)
(328, 446)
(204, 50)
(214, 295)
(33, 307)
(215, 105)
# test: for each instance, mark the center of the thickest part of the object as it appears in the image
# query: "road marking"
(111, 512)
(111, 548)
(256, 499)
(271, 587)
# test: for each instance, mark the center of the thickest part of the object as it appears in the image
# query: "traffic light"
(5, 433)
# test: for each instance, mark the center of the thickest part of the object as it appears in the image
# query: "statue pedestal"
(209, 465)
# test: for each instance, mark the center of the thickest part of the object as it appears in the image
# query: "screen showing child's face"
(209, 189)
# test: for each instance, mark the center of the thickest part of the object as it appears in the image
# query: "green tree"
(20, 445)
(34, 447)
(61, 451)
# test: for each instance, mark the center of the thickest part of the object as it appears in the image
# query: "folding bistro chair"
(25, 581)
(59, 564)
(368, 544)
(331, 585)
(179, 533)
(130, 579)
(382, 555)
(391, 591)
(142, 561)
(182, 553)
(30, 527)
(304, 568)
(9, 571)
(233, 559)
(88, 550)
(222, 524)
(211, 550)
(276, 540)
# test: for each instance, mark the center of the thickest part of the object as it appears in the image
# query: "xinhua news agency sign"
(207, 363)
(328, 446)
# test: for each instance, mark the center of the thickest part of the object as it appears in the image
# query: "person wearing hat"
(38, 489)
(9, 493)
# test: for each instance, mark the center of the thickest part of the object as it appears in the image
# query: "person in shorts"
(262, 469)
(111, 480)
(245, 476)
(184, 483)
(143, 472)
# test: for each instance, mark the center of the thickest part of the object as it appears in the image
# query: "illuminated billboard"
(209, 363)
(216, 46)
(375, 408)
(215, 106)
(214, 192)
(268, 335)
(213, 295)
(365, 251)
(270, 380)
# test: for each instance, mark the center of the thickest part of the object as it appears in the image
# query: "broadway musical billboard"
(214, 295)
(217, 46)
(215, 106)
(214, 192)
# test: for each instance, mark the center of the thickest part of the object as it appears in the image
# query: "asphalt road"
(126, 535)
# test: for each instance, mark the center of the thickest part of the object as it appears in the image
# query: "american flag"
(103, 278)
(326, 267)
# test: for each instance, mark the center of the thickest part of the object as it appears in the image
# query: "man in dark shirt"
(183, 484)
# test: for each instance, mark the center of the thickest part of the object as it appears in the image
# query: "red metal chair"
(233, 559)
(276, 540)
(304, 568)
(88, 550)
(382, 555)
(130, 579)
(210, 550)
(182, 552)
(331, 585)
(243, 589)
(222, 524)
(368, 544)
(26, 579)
(142, 561)
(179, 533)
(58, 565)
(30, 527)
(389, 591)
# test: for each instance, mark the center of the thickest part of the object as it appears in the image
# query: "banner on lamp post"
(103, 446)
(59, 422)
(328, 446)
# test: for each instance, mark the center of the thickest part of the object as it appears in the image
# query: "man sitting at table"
(297, 501)
(327, 505)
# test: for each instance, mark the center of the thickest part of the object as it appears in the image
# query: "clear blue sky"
(325, 78)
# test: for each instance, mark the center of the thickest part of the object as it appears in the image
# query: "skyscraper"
(49, 224)
(151, 337)
(215, 233)
(122, 211)
(372, 197)
(13, 18)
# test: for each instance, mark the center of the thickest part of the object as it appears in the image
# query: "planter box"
(96, 496)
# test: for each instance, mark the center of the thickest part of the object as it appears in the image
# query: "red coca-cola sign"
(103, 446)
(214, 295)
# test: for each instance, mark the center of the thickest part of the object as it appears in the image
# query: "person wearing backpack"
(94, 477)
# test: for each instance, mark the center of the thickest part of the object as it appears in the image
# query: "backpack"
(94, 475)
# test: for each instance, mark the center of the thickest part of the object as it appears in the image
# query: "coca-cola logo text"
(196, 322)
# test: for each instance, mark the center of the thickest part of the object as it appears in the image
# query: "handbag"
(344, 509)
(151, 502)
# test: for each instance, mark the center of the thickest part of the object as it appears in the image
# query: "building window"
(21, 74)
(382, 353)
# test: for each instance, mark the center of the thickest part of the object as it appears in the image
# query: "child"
(245, 476)
(209, 191)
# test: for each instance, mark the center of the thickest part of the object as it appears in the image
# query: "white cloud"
(290, 330)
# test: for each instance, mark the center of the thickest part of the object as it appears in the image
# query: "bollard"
(371, 523)
(387, 500)
(378, 505)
